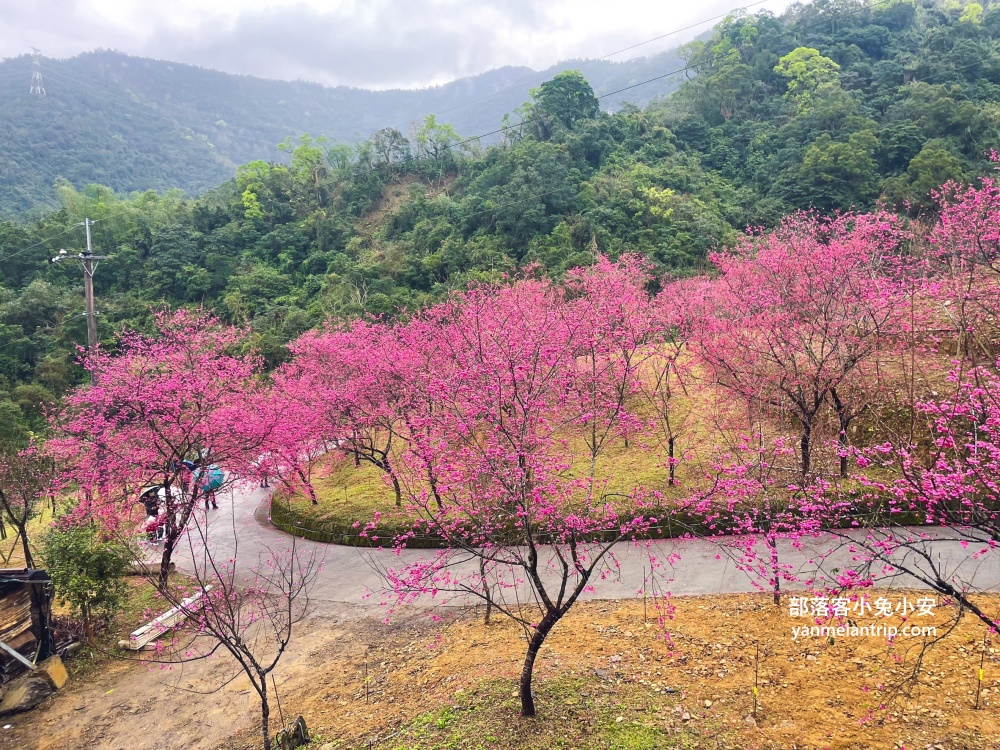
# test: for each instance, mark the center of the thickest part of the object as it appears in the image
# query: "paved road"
(350, 575)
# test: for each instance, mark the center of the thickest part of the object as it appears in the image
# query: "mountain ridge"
(135, 123)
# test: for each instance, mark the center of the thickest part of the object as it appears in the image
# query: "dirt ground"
(606, 678)
(123, 705)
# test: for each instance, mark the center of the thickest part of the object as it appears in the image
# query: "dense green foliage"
(832, 106)
(87, 570)
(135, 124)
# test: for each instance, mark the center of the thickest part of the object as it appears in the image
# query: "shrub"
(87, 570)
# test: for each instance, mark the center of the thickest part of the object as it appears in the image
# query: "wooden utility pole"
(89, 262)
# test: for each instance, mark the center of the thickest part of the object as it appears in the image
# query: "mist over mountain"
(135, 123)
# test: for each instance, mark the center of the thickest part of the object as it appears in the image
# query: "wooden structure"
(25, 619)
(139, 639)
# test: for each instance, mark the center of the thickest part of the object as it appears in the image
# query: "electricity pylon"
(37, 86)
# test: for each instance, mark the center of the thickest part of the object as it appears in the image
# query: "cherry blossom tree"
(668, 382)
(297, 443)
(178, 395)
(27, 478)
(505, 499)
(964, 254)
(746, 505)
(610, 304)
(419, 366)
(799, 316)
(927, 497)
(348, 378)
(246, 604)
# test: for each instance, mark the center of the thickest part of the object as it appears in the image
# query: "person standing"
(150, 500)
(185, 473)
(210, 481)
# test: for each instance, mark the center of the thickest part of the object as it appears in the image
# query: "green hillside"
(137, 124)
(833, 106)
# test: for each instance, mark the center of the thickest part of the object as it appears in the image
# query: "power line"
(288, 131)
(685, 28)
(47, 241)
(463, 142)
(535, 79)
(458, 144)
(691, 66)
(798, 27)
(696, 66)
(538, 118)
(506, 128)
(37, 244)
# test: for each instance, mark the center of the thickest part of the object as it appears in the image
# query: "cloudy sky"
(368, 43)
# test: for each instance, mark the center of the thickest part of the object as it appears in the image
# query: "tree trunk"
(164, 576)
(308, 485)
(670, 453)
(385, 466)
(434, 488)
(773, 546)
(845, 423)
(806, 446)
(842, 441)
(844, 418)
(487, 591)
(527, 701)
(28, 560)
(88, 625)
(357, 453)
(174, 524)
(593, 458)
(265, 714)
(397, 489)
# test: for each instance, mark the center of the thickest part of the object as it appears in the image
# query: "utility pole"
(88, 291)
(89, 262)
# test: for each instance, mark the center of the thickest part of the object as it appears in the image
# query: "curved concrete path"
(350, 575)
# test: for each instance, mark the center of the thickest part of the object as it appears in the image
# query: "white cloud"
(369, 43)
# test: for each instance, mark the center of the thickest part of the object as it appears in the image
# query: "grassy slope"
(11, 551)
(347, 493)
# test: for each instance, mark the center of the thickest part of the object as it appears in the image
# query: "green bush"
(87, 570)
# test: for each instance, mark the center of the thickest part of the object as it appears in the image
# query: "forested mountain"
(833, 106)
(135, 124)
